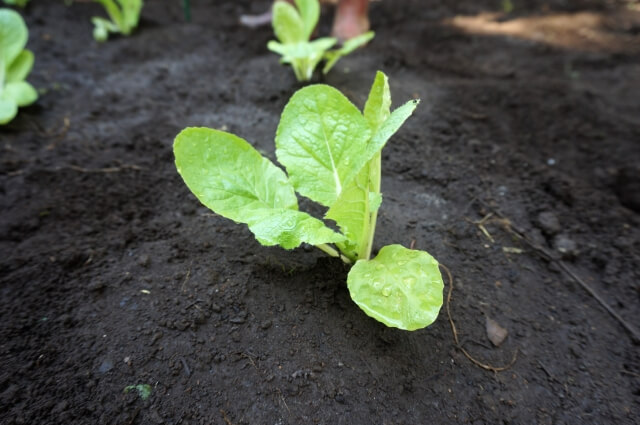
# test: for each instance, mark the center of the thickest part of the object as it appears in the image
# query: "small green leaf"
(321, 136)
(20, 67)
(351, 212)
(144, 390)
(303, 50)
(101, 28)
(401, 288)
(22, 93)
(8, 111)
(13, 35)
(349, 46)
(130, 15)
(231, 178)
(378, 106)
(287, 23)
(310, 14)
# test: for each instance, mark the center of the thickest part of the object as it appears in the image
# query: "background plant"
(294, 26)
(124, 15)
(331, 152)
(15, 64)
(20, 3)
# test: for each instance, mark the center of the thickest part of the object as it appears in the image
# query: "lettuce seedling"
(124, 15)
(293, 28)
(20, 3)
(15, 64)
(331, 152)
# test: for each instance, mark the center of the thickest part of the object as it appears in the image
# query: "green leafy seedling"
(294, 26)
(124, 15)
(144, 390)
(19, 3)
(331, 152)
(15, 64)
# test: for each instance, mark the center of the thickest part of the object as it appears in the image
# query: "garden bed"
(112, 274)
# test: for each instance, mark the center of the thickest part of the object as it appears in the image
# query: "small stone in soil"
(144, 260)
(265, 325)
(105, 366)
(565, 246)
(549, 223)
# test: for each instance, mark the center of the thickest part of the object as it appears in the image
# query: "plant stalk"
(375, 174)
(332, 252)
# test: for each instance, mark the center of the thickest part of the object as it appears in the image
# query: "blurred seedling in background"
(294, 26)
(15, 64)
(124, 15)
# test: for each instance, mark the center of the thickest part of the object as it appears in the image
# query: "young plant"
(20, 3)
(293, 28)
(15, 64)
(331, 153)
(124, 15)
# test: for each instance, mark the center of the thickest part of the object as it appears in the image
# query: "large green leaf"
(230, 177)
(320, 139)
(289, 228)
(378, 106)
(13, 35)
(8, 110)
(22, 93)
(20, 67)
(349, 46)
(401, 288)
(287, 23)
(310, 13)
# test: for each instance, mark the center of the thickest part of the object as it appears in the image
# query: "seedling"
(293, 28)
(144, 390)
(124, 15)
(20, 3)
(15, 64)
(331, 153)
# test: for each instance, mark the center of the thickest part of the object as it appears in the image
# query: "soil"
(112, 274)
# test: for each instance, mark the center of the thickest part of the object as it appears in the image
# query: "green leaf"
(287, 23)
(320, 137)
(303, 56)
(13, 35)
(20, 67)
(231, 178)
(8, 110)
(378, 106)
(102, 27)
(303, 49)
(22, 93)
(289, 228)
(21, 3)
(351, 212)
(401, 288)
(389, 127)
(310, 14)
(130, 15)
(375, 200)
(349, 46)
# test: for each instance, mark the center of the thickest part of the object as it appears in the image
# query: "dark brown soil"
(112, 274)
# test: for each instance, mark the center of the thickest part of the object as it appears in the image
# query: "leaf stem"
(332, 252)
(375, 173)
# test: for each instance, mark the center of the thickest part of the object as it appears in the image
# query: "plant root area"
(519, 172)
